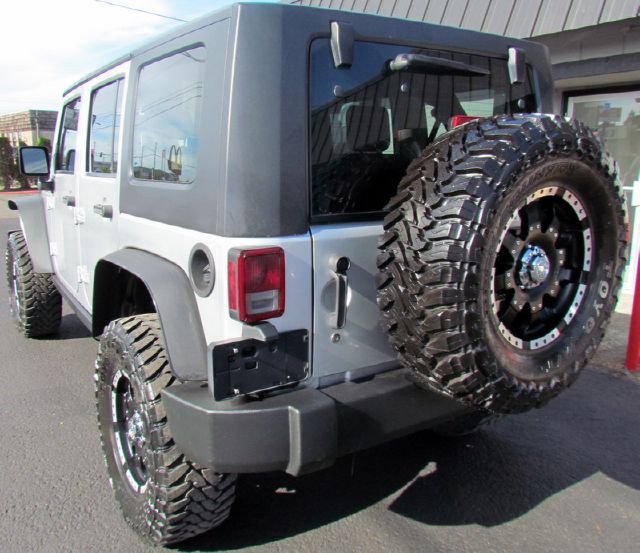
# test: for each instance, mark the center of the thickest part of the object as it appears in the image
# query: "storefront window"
(615, 117)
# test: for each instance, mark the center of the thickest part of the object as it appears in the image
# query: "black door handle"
(69, 200)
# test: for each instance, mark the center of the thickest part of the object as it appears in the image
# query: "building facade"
(594, 46)
(28, 127)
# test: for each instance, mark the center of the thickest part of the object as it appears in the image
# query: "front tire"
(34, 300)
(164, 497)
(502, 259)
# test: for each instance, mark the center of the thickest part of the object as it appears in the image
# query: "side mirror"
(34, 161)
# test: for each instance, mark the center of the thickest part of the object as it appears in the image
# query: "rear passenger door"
(99, 183)
(62, 204)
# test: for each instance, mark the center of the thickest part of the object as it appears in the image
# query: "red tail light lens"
(458, 120)
(256, 284)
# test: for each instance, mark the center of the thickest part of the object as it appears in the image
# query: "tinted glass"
(368, 123)
(167, 113)
(104, 133)
(66, 151)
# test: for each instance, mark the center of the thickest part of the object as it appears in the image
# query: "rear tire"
(34, 300)
(502, 259)
(164, 497)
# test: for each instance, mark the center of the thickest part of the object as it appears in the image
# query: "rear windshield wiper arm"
(419, 63)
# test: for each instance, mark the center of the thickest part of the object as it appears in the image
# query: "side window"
(167, 113)
(66, 150)
(104, 130)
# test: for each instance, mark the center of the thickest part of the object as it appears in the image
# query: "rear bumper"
(302, 430)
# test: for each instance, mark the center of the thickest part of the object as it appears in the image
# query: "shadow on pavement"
(489, 478)
(70, 329)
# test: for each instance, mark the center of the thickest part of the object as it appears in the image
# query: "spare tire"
(501, 260)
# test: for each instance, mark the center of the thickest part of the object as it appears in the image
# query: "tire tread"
(428, 265)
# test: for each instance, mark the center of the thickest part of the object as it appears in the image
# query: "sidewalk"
(611, 354)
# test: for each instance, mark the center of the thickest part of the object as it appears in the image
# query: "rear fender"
(174, 301)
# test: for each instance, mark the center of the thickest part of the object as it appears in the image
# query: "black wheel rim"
(541, 268)
(130, 434)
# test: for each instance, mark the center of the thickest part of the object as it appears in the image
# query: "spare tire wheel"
(501, 260)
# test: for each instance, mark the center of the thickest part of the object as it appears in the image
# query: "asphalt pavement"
(563, 478)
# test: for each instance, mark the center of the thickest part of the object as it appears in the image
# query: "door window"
(66, 150)
(104, 132)
(167, 114)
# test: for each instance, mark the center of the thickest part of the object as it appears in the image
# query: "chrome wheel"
(541, 268)
(15, 298)
(13, 280)
(130, 433)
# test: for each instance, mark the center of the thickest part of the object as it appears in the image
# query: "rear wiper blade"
(419, 63)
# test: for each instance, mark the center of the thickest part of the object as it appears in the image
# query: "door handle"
(103, 210)
(340, 268)
(69, 200)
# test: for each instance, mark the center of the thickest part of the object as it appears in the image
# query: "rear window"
(368, 123)
(167, 116)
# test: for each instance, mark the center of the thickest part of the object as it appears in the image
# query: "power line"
(140, 10)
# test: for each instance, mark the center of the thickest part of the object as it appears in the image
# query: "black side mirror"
(34, 161)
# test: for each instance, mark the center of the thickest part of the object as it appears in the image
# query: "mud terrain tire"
(501, 260)
(34, 301)
(164, 497)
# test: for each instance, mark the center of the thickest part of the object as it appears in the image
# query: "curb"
(17, 192)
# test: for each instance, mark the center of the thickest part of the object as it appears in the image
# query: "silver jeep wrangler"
(300, 232)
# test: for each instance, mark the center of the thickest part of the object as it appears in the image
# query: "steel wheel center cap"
(535, 267)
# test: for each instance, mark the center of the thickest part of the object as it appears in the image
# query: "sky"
(47, 45)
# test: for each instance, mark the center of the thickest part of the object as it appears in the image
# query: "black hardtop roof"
(179, 30)
(233, 10)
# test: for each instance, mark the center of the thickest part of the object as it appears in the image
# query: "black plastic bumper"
(303, 430)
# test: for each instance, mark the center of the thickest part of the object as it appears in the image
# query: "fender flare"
(175, 303)
(34, 227)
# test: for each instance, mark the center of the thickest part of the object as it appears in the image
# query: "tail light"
(256, 284)
(458, 120)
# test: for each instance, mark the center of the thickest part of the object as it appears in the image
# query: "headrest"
(368, 129)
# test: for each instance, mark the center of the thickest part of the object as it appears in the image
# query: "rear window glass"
(167, 115)
(368, 123)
